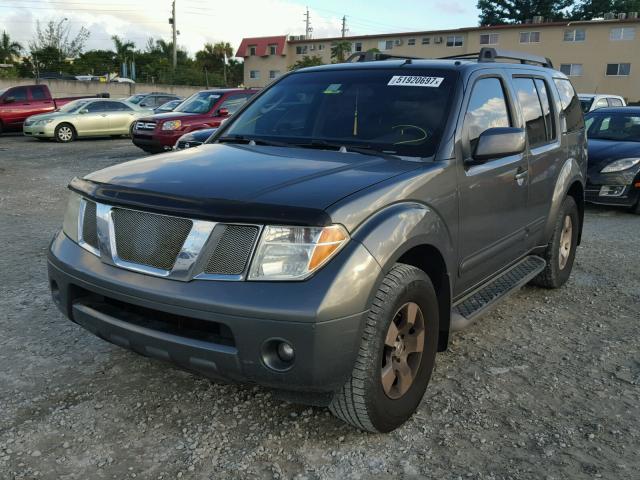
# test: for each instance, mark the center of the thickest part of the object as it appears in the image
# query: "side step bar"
(470, 307)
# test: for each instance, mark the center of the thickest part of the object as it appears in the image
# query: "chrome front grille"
(149, 239)
(233, 249)
(145, 126)
(166, 246)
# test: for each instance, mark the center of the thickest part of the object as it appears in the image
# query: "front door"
(94, 120)
(493, 195)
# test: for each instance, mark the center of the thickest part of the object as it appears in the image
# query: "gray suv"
(330, 236)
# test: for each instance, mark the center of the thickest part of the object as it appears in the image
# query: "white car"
(594, 101)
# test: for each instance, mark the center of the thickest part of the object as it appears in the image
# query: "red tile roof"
(262, 45)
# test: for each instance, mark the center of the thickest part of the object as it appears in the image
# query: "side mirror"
(223, 112)
(83, 111)
(9, 100)
(499, 142)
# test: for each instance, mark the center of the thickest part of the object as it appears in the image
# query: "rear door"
(493, 195)
(120, 117)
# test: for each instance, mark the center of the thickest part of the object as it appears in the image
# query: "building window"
(385, 45)
(321, 46)
(411, 42)
(529, 37)
(622, 33)
(455, 41)
(426, 40)
(252, 50)
(301, 49)
(357, 47)
(618, 69)
(575, 35)
(571, 69)
(274, 74)
(254, 74)
(273, 49)
(489, 39)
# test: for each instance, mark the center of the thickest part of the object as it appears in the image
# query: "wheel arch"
(570, 182)
(576, 190)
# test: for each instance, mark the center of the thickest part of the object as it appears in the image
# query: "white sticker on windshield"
(415, 81)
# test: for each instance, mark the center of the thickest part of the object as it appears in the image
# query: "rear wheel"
(396, 356)
(65, 133)
(561, 249)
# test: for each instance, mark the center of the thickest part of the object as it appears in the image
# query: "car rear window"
(399, 111)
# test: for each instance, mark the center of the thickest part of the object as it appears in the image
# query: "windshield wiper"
(252, 141)
(361, 149)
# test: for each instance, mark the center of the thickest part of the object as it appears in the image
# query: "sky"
(201, 21)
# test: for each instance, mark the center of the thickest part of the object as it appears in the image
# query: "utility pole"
(344, 26)
(307, 23)
(172, 20)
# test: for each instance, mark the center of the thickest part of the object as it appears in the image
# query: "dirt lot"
(545, 387)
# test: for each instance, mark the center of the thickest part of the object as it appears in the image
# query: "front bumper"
(627, 182)
(155, 141)
(221, 329)
(41, 131)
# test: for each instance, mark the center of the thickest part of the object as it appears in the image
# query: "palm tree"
(124, 50)
(340, 49)
(8, 49)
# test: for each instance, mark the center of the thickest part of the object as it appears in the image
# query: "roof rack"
(487, 54)
(375, 56)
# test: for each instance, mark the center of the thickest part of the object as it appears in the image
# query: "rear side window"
(571, 106)
(96, 107)
(115, 106)
(487, 109)
(545, 100)
(615, 102)
(38, 93)
(536, 109)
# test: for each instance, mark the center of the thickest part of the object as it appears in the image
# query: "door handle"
(521, 176)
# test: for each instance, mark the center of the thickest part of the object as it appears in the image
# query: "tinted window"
(39, 93)
(19, 94)
(531, 110)
(547, 110)
(400, 111)
(487, 109)
(234, 103)
(115, 106)
(571, 106)
(96, 107)
(586, 104)
(620, 127)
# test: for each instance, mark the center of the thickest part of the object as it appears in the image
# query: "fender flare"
(570, 173)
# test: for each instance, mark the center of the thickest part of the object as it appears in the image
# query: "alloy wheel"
(65, 133)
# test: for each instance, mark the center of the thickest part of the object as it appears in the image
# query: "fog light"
(285, 352)
(611, 190)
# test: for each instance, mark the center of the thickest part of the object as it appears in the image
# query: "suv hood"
(171, 116)
(219, 181)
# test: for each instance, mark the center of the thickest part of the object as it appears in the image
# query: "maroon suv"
(205, 109)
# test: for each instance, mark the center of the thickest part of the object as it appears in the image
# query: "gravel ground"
(547, 386)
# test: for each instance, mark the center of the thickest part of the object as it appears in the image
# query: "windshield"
(74, 106)
(135, 99)
(2, 91)
(399, 111)
(201, 102)
(619, 127)
(586, 104)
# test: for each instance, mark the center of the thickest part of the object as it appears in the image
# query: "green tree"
(307, 61)
(497, 12)
(590, 9)
(95, 62)
(339, 49)
(124, 51)
(8, 49)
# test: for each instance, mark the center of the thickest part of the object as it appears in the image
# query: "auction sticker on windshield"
(415, 81)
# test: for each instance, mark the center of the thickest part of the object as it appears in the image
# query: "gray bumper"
(228, 322)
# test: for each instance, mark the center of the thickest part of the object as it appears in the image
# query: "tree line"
(54, 50)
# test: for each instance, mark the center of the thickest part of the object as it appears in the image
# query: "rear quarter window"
(571, 106)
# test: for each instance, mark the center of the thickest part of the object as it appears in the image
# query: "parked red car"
(18, 103)
(205, 109)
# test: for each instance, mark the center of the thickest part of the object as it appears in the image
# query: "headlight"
(43, 122)
(70, 224)
(172, 125)
(294, 253)
(619, 165)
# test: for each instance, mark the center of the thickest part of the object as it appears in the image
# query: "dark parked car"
(194, 139)
(152, 100)
(331, 234)
(168, 107)
(614, 157)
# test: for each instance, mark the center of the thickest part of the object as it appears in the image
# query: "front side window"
(455, 41)
(529, 37)
(487, 109)
(489, 39)
(575, 35)
(201, 102)
(571, 69)
(94, 107)
(571, 106)
(601, 103)
(396, 111)
(74, 106)
(618, 69)
(622, 33)
(19, 94)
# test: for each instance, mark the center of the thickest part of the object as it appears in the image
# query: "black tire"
(1, 128)
(636, 208)
(554, 275)
(362, 401)
(65, 133)
(131, 129)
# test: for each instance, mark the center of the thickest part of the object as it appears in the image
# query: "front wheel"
(65, 133)
(561, 249)
(396, 356)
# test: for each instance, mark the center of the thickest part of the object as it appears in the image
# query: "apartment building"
(599, 55)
